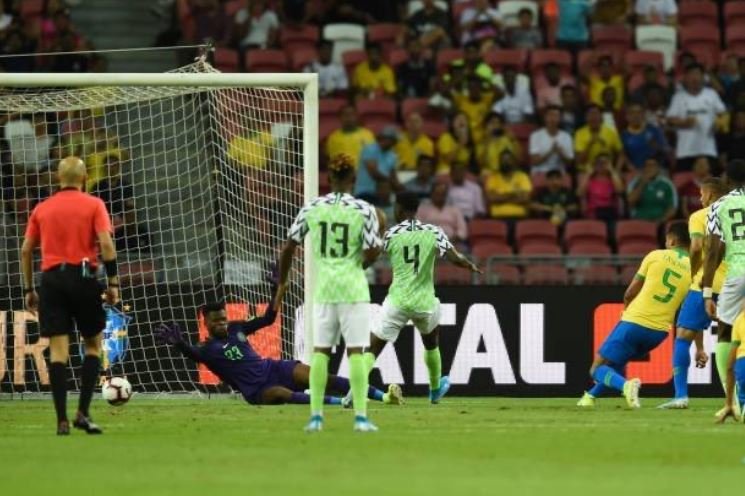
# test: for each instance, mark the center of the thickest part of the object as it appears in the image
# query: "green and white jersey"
(412, 248)
(727, 221)
(341, 228)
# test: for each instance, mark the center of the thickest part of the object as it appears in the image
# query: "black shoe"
(86, 424)
(63, 428)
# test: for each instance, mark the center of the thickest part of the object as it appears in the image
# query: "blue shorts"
(279, 373)
(629, 341)
(693, 314)
(740, 379)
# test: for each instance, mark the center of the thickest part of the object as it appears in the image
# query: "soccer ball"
(117, 391)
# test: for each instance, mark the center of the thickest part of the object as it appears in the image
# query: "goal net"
(202, 172)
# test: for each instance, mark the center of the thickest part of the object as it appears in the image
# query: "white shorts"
(348, 320)
(730, 299)
(393, 319)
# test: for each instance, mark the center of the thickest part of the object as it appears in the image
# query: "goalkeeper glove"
(169, 335)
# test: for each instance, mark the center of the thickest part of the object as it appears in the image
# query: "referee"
(67, 226)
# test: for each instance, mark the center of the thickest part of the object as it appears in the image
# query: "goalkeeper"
(261, 381)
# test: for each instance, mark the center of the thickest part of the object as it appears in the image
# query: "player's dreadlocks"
(341, 168)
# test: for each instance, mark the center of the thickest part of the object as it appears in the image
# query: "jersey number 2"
(738, 228)
(340, 233)
(669, 273)
(411, 255)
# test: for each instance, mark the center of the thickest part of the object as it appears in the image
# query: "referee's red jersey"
(67, 225)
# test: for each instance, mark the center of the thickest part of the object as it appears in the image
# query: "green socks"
(721, 355)
(319, 372)
(434, 365)
(369, 361)
(358, 372)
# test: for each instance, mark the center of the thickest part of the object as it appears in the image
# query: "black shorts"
(66, 298)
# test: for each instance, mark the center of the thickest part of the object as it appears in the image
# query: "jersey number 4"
(339, 232)
(738, 225)
(669, 274)
(411, 256)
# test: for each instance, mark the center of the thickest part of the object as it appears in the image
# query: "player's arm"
(371, 242)
(27, 267)
(696, 253)
(248, 327)
(714, 256)
(457, 258)
(297, 233)
(632, 291)
(172, 336)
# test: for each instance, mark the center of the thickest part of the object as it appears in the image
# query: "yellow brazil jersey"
(697, 229)
(738, 334)
(409, 150)
(349, 142)
(666, 275)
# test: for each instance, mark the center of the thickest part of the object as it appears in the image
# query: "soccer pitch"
(460, 447)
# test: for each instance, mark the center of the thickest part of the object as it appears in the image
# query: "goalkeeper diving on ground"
(261, 381)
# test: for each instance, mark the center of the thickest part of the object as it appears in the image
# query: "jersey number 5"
(738, 227)
(340, 232)
(411, 256)
(669, 273)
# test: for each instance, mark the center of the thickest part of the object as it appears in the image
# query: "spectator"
(448, 217)
(117, 194)
(687, 59)
(656, 12)
(29, 143)
(601, 190)
(422, 183)
(211, 22)
(497, 141)
(465, 194)
(611, 12)
(525, 36)
(550, 147)
(651, 79)
(605, 77)
(729, 73)
(508, 190)
(480, 23)
(378, 162)
(572, 33)
(690, 192)
(456, 145)
(415, 76)
(733, 143)
(612, 117)
(383, 199)
(413, 142)
(373, 78)
(332, 78)
(252, 149)
(256, 25)
(350, 138)
(555, 202)
(474, 65)
(475, 104)
(549, 86)
(640, 139)
(343, 11)
(736, 93)
(15, 41)
(516, 104)
(693, 112)
(431, 26)
(595, 138)
(651, 195)
(572, 112)
(656, 105)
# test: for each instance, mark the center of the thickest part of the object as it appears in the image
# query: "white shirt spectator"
(258, 31)
(27, 148)
(470, 15)
(656, 11)
(540, 144)
(331, 77)
(705, 107)
(468, 197)
(518, 107)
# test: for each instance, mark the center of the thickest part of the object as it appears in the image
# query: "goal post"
(217, 165)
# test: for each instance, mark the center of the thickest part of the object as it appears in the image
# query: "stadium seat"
(485, 249)
(639, 248)
(397, 56)
(546, 274)
(326, 126)
(680, 179)
(345, 37)
(616, 39)
(736, 38)
(419, 105)
(350, 60)
(700, 38)
(540, 58)
(589, 248)
(638, 60)
(662, 39)
(708, 58)
(596, 275)
(136, 273)
(445, 57)
(509, 10)
(266, 61)
(539, 181)
(503, 274)
(330, 107)
(580, 231)
(450, 274)
(302, 57)
(529, 231)
(734, 13)
(539, 248)
(480, 230)
(298, 38)
(374, 113)
(232, 7)
(587, 60)
(385, 34)
(698, 14)
(227, 60)
(635, 230)
(434, 128)
(31, 8)
(499, 58)
(415, 5)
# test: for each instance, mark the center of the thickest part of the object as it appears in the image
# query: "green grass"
(494, 446)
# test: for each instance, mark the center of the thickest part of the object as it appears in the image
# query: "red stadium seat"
(351, 58)
(410, 105)
(636, 230)
(485, 249)
(326, 126)
(578, 231)
(31, 8)
(734, 13)
(227, 60)
(700, 38)
(640, 248)
(434, 128)
(266, 61)
(450, 274)
(596, 275)
(529, 231)
(637, 60)
(680, 179)
(540, 58)
(385, 34)
(301, 57)
(704, 57)
(616, 39)
(589, 248)
(324, 186)
(736, 37)
(480, 230)
(539, 248)
(499, 58)
(446, 56)
(503, 274)
(546, 274)
(457, 10)
(397, 56)
(330, 107)
(539, 181)
(374, 113)
(232, 7)
(698, 14)
(587, 60)
(304, 37)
